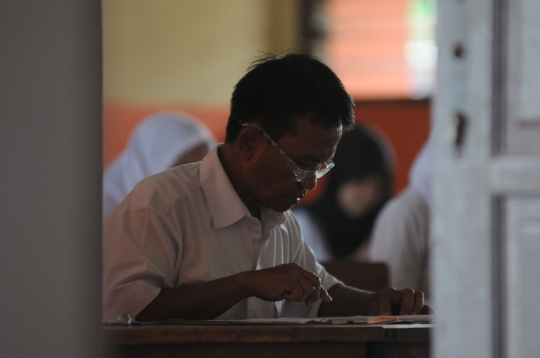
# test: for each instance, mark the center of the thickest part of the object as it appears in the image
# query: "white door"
(486, 265)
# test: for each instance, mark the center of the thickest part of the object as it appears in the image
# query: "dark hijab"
(361, 153)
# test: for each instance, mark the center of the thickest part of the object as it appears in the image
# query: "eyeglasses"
(300, 174)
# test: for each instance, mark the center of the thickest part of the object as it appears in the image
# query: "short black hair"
(278, 89)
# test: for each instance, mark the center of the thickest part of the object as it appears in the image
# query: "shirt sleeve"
(400, 239)
(139, 261)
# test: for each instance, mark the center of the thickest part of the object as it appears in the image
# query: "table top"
(208, 334)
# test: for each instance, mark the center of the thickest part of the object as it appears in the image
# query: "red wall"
(405, 123)
(119, 119)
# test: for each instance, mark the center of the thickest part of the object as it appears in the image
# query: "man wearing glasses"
(216, 239)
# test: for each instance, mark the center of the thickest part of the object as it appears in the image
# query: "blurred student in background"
(338, 225)
(401, 233)
(161, 141)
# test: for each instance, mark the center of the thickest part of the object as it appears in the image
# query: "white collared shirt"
(188, 225)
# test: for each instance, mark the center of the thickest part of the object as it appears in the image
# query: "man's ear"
(248, 143)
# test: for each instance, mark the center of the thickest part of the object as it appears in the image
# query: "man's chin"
(281, 209)
(285, 205)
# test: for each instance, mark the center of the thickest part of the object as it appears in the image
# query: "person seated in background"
(161, 141)
(401, 237)
(217, 239)
(338, 225)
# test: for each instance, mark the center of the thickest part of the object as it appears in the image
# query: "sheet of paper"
(256, 321)
(316, 320)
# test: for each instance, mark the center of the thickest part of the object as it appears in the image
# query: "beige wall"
(189, 51)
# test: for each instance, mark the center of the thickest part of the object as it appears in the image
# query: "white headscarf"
(154, 146)
(421, 174)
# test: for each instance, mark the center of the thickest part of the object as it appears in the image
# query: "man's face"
(274, 184)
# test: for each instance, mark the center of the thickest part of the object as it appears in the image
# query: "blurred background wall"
(188, 55)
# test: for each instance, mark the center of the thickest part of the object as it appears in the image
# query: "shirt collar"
(225, 204)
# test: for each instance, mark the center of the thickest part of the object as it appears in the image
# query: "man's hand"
(290, 282)
(389, 301)
(349, 301)
(207, 300)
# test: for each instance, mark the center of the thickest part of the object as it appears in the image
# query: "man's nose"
(309, 183)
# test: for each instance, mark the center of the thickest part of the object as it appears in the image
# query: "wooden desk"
(281, 341)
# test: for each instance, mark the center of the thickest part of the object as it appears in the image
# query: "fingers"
(314, 279)
(383, 302)
(404, 302)
(325, 296)
(418, 302)
(314, 297)
(290, 282)
(307, 287)
(427, 310)
(294, 292)
(406, 299)
(311, 299)
(411, 301)
(311, 284)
